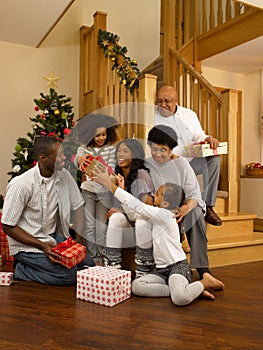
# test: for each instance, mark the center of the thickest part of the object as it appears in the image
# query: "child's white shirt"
(167, 248)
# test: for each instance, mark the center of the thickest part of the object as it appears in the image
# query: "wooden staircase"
(235, 241)
(179, 65)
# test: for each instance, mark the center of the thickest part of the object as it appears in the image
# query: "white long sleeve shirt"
(167, 248)
(187, 127)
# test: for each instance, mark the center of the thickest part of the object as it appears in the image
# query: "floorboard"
(35, 316)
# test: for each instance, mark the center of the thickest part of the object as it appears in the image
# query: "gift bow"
(65, 244)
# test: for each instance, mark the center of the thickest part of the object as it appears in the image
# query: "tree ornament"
(43, 133)
(54, 105)
(26, 154)
(63, 115)
(36, 108)
(67, 131)
(52, 80)
(16, 168)
(56, 111)
(18, 148)
(46, 112)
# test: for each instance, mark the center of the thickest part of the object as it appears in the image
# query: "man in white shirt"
(37, 213)
(188, 128)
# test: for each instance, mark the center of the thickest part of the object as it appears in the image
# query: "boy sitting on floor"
(172, 274)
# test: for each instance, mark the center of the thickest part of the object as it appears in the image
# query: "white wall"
(250, 85)
(136, 22)
(22, 68)
(251, 189)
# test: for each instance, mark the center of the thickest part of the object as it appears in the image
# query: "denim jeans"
(37, 267)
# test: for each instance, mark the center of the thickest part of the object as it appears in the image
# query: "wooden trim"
(197, 75)
(258, 225)
(235, 32)
(54, 25)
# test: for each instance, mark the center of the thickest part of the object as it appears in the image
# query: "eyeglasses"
(159, 101)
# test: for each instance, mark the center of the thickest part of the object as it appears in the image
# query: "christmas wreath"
(126, 68)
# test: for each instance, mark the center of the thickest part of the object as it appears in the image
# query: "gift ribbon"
(61, 246)
(102, 161)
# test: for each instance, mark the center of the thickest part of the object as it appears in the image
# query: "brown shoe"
(212, 218)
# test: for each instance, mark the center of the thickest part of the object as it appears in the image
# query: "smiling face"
(161, 153)
(52, 160)
(124, 156)
(166, 101)
(100, 137)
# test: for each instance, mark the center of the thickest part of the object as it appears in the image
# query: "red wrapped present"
(201, 149)
(71, 252)
(99, 163)
(4, 246)
(103, 285)
(6, 278)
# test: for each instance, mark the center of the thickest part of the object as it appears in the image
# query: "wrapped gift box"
(4, 246)
(103, 285)
(71, 252)
(99, 163)
(202, 149)
(6, 278)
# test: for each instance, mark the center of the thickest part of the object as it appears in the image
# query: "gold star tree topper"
(52, 80)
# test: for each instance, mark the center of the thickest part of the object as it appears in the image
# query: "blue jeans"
(37, 267)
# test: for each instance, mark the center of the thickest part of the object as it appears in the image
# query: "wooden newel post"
(147, 96)
(232, 126)
(100, 22)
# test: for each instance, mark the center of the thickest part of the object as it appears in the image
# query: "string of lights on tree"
(126, 68)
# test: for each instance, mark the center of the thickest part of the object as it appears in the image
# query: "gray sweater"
(176, 171)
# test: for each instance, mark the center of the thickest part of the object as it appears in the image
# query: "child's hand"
(120, 181)
(84, 161)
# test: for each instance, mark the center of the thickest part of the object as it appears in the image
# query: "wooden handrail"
(100, 86)
(201, 79)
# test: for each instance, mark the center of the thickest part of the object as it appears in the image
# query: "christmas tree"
(54, 118)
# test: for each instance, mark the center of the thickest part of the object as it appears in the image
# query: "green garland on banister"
(126, 68)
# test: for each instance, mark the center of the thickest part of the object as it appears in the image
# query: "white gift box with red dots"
(103, 285)
(6, 278)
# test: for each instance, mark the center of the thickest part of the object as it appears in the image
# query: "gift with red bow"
(71, 252)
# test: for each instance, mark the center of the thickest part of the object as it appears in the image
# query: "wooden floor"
(35, 316)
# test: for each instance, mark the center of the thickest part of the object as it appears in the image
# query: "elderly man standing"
(188, 128)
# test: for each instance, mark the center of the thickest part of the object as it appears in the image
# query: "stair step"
(220, 206)
(233, 250)
(233, 225)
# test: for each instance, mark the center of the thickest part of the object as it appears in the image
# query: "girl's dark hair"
(43, 145)
(86, 127)
(138, 157)
(162, 135)
(174, 194)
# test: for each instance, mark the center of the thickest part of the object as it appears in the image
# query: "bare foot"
(207, 295)
(211, 282)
